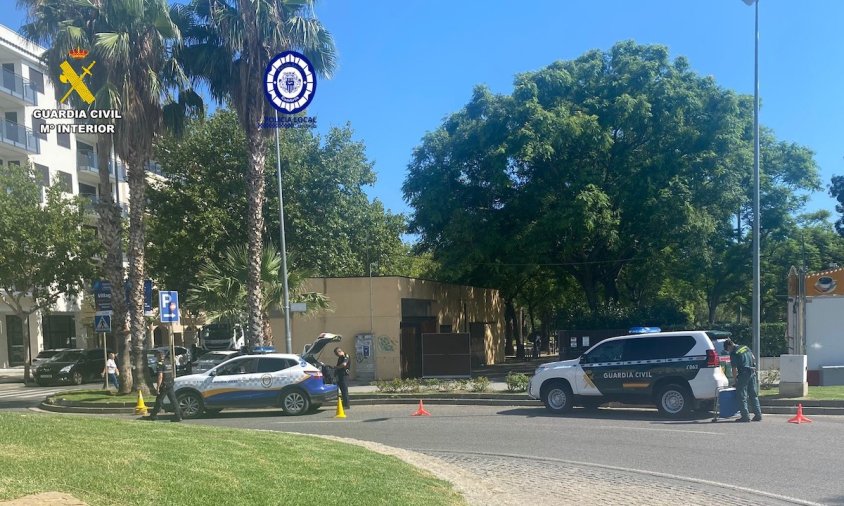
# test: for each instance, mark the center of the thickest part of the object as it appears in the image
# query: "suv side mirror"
(583, 359)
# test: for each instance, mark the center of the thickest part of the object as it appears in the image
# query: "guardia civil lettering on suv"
(676, 371)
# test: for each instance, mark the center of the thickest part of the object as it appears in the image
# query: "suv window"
(242, 366)
(658, 347)
(274, 364)
(606, 352)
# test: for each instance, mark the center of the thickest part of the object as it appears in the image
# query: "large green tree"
(597, 169)
(229, 44)
(46, 255)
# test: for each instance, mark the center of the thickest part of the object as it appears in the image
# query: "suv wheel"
(295, 402)
(557, 397)
(674, 401)
(190, 404)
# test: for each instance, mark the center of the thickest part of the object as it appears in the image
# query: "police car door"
(235, 384)
(602, 368)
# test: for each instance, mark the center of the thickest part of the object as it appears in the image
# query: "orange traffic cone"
(421, 411)
(799, 418)
(140, 408)
(340, 412)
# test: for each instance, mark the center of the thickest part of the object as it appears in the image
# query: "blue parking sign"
(168, 306)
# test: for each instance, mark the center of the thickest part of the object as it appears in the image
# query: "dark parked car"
(46, 355)
(183, 359)
(72, 366)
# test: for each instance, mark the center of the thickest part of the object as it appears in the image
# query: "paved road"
(632, 447)
(18, 396)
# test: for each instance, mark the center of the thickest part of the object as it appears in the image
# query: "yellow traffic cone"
(340, 412)
(140, 408)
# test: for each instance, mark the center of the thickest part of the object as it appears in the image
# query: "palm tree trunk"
(255, 189)
(111, 235)
(137, 206)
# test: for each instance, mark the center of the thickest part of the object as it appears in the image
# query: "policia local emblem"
(289, 85)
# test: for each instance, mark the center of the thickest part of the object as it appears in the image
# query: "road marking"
(659, 430)
(657, 474)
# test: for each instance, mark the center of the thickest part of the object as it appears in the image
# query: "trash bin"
(727, 403)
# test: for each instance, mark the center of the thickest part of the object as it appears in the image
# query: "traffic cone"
(421, 411)
(141, 408)
(340, 412)
(799, 418)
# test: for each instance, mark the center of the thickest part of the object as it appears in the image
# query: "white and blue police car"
(263, 380)
(677, 371)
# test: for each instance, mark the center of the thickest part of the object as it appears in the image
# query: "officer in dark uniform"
(744, 373)
(341, 375)
(164, 386)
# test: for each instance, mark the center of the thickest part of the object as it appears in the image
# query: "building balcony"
(14, 85)
(87, 161)
(20, 137)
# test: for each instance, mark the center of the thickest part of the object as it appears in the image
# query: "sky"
(405, 66)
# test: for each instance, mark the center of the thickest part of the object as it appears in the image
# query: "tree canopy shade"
(45, 252)
(620, 170)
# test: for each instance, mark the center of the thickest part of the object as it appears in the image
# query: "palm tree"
(61, 26)
(134, 42)
(221, 289)
(228, 44)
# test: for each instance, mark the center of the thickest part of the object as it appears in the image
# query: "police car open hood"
(320, 344)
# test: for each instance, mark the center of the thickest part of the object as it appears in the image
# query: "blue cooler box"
(727, 403)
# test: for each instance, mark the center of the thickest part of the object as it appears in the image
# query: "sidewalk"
(11, 375)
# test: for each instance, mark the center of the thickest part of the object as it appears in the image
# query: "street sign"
(102, 323)
(102, 295)
(298, 307)
(168, 306)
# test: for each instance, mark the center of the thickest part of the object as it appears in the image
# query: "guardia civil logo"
(290, 82)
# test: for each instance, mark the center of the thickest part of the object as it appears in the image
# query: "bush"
(767, 379)
(479, 384)
(517, 382)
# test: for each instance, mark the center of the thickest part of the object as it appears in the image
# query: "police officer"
(341, 374)
(164, 386)
(744, 374)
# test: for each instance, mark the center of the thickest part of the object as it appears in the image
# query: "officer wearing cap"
(164, 386)
(744, 374)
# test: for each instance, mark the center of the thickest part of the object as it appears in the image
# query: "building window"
(42, 173)
(65, 181)
(36, 80)
(63, 140)
(36, 128)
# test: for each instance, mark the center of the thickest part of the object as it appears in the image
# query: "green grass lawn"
(835, 393)
(109, 461)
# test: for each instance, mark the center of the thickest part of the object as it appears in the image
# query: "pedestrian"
(164, 386)
(112, 371)
(537, 344)
(341, 375)
(744, 374)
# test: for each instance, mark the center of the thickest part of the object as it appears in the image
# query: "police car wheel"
(295, 402)
(190, 404)
(557, 397)
(674, 401)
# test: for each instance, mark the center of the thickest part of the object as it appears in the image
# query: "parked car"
(212, 359)
(258, 380)
(183, 362)
(46, 355)
(73, 366)
(677, 371)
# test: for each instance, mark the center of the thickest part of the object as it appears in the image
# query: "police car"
(264, 380)
(677, 371)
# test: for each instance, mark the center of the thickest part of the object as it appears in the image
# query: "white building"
(70, 159)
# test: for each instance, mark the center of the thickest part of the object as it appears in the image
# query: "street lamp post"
(288, 340)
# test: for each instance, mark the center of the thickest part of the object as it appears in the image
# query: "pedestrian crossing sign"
(102, 323)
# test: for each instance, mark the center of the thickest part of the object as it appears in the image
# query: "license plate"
(47, 376)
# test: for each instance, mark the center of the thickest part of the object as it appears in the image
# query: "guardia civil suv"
(676, 371)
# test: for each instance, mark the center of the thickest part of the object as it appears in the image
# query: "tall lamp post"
(756, 307)
(288, 339)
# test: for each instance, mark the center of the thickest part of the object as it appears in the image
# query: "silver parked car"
(211, 359)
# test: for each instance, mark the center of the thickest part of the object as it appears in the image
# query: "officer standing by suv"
(341, 374)
(744, 373)
(164, 386)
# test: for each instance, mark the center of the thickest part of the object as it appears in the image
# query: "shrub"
(479, 384)
(517, 382)
(767, 379)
